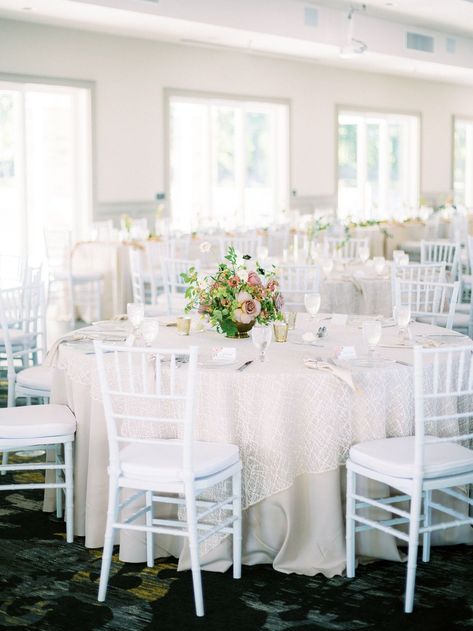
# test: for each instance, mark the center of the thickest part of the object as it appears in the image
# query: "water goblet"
(261, 336)
(371, 330)
(402, 316)
(149, 330)
(379, 263)
(312, 304)
(136, 313)
(364, 253)
(327, 267)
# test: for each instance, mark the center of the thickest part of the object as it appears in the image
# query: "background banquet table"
(294, 427)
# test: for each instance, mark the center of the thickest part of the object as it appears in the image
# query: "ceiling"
(276, 27)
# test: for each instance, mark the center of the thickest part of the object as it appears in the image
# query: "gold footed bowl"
(243, 329)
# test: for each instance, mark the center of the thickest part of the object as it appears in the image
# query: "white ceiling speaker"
(353, 46)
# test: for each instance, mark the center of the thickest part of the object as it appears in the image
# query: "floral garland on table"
(235, 295)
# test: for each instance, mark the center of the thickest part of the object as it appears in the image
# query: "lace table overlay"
(287, 420)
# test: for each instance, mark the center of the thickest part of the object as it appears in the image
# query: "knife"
(245, 365)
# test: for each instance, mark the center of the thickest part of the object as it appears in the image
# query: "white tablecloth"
(294, 427)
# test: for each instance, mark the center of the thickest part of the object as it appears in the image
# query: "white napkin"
(340, 373)
(79, 336)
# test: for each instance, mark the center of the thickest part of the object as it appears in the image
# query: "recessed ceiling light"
(27, 9)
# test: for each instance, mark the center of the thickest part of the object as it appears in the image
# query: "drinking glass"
(136, 313)
(149, 330)
(402, 315)
(183, 325)
(379, 263)
(261, 337)
(397, 256)
(327, 266)
(280, 331)
(290, 319)
(312, 304)
(371, 334)
(364, 253)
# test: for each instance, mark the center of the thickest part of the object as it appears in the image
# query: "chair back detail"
(434, 302)
(441, 252)
(339, 247)
(243, 245)
(297, 280)
(148, 400)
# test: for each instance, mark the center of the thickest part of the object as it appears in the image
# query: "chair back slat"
(434, 302)
(441, 252)
(339, 247)
(148, 397)
(297, 280)
(242, 244)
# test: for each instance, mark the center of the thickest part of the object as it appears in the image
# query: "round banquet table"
(294, 427)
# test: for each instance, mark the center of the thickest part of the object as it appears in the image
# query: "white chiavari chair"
(155, 252)
(84, 288)
(278, 241)
(242, 244)
(429, 302)
(297, 280)
(441, 252)
(23, 325)
(416, 466)
(344, 248)
(174, 286)
(141, 388)
(418, 273)
(12, 270)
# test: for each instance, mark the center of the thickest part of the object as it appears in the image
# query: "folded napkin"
(340, 373)
(79, 336)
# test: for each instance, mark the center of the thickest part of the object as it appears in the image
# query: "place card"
(345, 352)
(223, 353)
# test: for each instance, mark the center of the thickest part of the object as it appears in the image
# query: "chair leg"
(58, 480)
(5, 459)
(112, 513)
(416, 502)
(236, 491)
(350, 524)
(427, 522)
(149, 534)
(98, 299)
(69, 481)
(73, 306)
(194, 550)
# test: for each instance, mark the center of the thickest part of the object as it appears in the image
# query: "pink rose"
(253, 279)
(248, 309)
(272, 284)
(279, 302)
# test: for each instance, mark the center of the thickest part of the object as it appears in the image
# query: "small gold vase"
(243, 329)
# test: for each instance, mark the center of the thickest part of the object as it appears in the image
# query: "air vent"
(311, 16)
(416, 41)
(451, 44)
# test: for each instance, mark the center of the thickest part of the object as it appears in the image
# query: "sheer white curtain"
(463, 162)
(45, 163)
(229, 162)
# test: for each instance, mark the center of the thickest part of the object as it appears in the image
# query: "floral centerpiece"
(237, 296)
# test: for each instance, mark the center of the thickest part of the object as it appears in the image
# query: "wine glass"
(402, 316)
(379, 263)
(261, 336)
(312, 304)
(136, 313)
(149, 330)
(371, 334)
(327, 266)
(364, 253)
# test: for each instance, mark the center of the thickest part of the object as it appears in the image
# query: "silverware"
(245, 365)
(322, 331)
(398, 361)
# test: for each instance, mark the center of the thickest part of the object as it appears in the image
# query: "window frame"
(169, 93)
(465, 119)
(46, 80)
(341, 108)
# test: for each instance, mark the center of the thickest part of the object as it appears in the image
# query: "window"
(229, 162)
(378, 165)
(463, 162)
(45, 137)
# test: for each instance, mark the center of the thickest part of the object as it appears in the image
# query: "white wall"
(130, 75)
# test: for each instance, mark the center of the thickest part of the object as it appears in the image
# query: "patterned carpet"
(48, 585)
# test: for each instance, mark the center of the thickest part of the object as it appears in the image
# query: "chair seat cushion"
(36, 377)
(36, 421)
(164, 461)
(395, 457)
